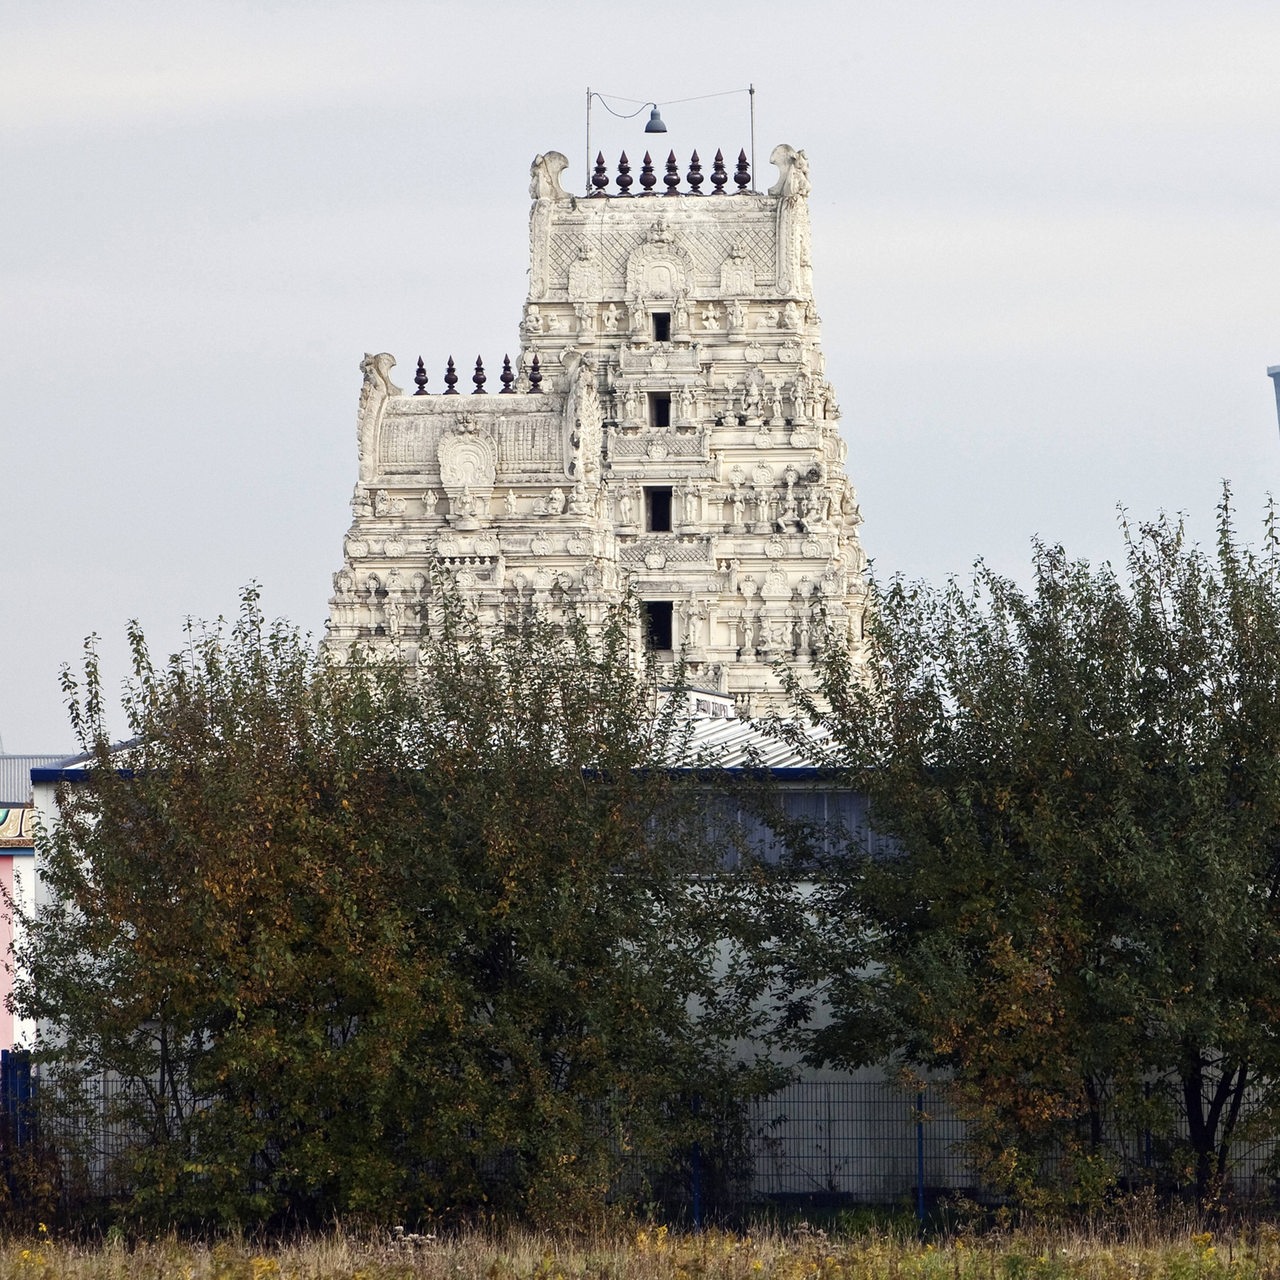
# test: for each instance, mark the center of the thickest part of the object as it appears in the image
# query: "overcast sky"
(1046, 257)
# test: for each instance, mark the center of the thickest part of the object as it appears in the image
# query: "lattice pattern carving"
(708, 246)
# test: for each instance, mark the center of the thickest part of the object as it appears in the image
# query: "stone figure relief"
(775, 401)
(393, 606)
(711, 318)
(546, 193)
(800, 397)
(611, 314)
(685, 407)
(465, 509)
(788, 520)
(768, 319)
(693, 504)
(737, 314)
(792, 225)
(583, 422)
(532, 318)
(737, 271)
(429, 500)
(374, 393)
(790, 316)
(554, 503)
(681, 314)
(585, 279)
(631, 405)
(509, 502)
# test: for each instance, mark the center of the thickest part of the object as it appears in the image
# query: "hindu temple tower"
(667, 429)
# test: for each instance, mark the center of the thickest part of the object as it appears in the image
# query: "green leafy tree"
(352, 940)
(1075, 910)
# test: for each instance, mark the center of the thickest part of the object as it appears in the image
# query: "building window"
(657, 509)
(659, 408)
(662, 326)
(657, 624)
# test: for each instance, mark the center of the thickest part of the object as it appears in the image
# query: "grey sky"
(1046, 258)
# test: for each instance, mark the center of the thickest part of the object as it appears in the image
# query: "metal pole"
(588, 188)
(920, 1158)
(697, 1186)
(1273, 372)
(697, 1172)
(751, 89)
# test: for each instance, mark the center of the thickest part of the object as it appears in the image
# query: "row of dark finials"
(671, 179)
(506, 377)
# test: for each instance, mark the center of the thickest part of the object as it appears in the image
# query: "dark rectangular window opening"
(657, 624)
(662, 326)
(657, 509)
(659, 409)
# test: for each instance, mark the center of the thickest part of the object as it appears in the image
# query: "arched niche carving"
(468, 458)
(659, 270)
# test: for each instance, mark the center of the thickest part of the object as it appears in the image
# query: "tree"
(1078, 912)
(357, 941)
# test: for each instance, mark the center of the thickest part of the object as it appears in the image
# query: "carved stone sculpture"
(373, 398)
(545, 174)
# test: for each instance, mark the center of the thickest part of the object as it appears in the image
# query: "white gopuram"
(668, 431)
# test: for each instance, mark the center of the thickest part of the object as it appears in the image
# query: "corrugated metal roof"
(715, 741)
(735, 744)
(15, 776)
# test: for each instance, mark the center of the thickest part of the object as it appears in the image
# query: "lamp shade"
(655, 124)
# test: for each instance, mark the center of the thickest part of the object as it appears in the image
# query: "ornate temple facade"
(667, 430)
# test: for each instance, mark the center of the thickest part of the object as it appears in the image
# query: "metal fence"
(856, 1141)
(817, 1143)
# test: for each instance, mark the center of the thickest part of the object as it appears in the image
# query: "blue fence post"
(920, 1158)
(16, 1093)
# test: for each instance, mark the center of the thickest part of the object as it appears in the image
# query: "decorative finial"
(624, 176)
(694, 176)
(718, 175)
(672, 178)
(647, 175)
(600, 178)
(742, 175)
(420, 378)
(479, 379)
(506, 377)
(451, 379)
(535, 376)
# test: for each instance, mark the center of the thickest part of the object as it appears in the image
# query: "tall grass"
(650, 1253)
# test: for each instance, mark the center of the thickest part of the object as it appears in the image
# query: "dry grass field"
(650, 1253)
